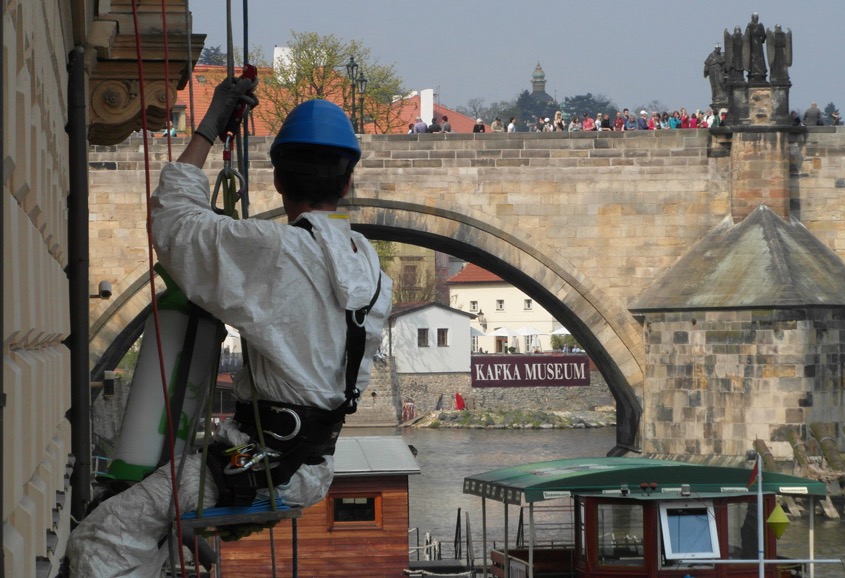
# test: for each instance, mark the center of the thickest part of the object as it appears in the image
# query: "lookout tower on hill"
(538, 86)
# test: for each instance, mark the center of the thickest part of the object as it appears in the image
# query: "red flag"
(754, 472)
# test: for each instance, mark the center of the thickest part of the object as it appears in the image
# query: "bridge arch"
(609, 333)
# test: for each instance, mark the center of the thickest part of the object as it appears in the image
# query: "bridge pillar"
(744, 339)
(759, 132)
(759, 171)
(718, 380)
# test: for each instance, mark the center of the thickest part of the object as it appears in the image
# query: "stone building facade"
(64, 84)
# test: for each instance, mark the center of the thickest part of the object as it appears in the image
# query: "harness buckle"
(297, 424)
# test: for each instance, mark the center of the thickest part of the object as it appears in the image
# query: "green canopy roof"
(568, 477)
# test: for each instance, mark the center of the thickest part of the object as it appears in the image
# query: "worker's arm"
(228, 95)
(196, 152)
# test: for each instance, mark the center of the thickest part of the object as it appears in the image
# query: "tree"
(386, 251)
(316, 68)
(652, 106)
(474, 108)
(504, 109)
(413, 284)
(529, 109)
(561, 341)
(828, 112)
(581, 103)
(212, 55)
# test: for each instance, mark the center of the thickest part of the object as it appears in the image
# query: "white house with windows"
(428, 338)
(506, 316)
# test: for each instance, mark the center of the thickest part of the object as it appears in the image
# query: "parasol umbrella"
(504, 332)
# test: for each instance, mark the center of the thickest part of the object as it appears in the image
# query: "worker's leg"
(124, 535)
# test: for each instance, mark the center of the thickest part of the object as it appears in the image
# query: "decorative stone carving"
(115, 108)
(115, 100)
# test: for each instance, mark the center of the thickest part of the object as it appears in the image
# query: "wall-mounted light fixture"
(103, 291)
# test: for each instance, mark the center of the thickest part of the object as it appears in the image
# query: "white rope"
(427, 573)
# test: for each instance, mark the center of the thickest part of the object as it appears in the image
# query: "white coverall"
(287, 293)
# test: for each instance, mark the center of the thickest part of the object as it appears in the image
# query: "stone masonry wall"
(620, 206)
(817, 183)
(716, 381)
(36, 317)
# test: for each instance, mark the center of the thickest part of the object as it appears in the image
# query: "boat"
(643, 517)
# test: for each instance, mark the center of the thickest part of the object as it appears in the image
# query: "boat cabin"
(360, 526)
(636, 517)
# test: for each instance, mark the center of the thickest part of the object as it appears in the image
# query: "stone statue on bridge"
(779, 52)
(733, 56)
(754, 61)
(714, 68)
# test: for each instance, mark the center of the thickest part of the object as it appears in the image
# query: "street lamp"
(352, 74)
(362, 88)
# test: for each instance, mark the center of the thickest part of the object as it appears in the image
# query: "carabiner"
(239, 463)
(226, 178)
(297, 425)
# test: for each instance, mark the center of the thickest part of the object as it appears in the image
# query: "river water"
(446, 456)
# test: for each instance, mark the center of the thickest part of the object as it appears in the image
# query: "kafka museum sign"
(530, 370)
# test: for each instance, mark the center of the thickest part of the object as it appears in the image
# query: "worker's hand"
(227, 96)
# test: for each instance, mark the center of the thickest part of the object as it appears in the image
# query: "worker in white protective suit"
(308, 297)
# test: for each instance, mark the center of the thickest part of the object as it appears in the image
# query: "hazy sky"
(632, 52)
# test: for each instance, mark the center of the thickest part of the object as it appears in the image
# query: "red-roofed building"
(506, 316)
(264, 123)
(413, 107)
(472, 273)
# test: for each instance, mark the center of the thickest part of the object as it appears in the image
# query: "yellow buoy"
(778, 521)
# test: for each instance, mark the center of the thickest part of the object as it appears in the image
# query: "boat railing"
(555, 518)
(548, 563)
(430, 549)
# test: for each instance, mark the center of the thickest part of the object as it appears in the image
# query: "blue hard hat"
(321, 123)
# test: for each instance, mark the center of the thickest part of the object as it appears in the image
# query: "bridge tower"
(745, 334)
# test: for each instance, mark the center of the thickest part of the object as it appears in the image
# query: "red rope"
(150, 258)
(166, 80)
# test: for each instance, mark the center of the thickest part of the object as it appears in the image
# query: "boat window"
(688, 530)
(355, 511)
(620, 534)
(742, 531)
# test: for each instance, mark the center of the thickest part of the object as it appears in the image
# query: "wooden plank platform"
(257, 513)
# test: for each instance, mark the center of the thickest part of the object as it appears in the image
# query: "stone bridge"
(587, 224)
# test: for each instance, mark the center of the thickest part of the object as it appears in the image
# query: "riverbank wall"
(419, 394)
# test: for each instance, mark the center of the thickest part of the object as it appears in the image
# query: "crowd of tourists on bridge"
(623, 121)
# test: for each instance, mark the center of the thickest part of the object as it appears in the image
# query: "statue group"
(744, 52)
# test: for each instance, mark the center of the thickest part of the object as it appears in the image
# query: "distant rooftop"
(474, 274)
